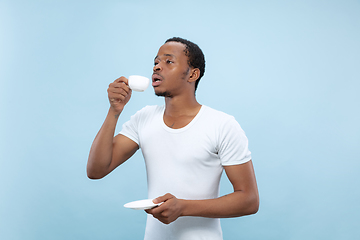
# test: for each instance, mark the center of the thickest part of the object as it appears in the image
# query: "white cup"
(138, 83)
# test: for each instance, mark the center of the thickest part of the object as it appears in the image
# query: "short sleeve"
(233, 144)
(130, 128)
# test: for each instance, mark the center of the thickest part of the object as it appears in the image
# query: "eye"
(169, 61)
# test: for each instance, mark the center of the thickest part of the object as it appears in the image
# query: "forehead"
(175, 49)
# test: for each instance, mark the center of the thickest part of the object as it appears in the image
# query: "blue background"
(287, 70)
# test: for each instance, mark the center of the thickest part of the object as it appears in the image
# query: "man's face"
(171, 70)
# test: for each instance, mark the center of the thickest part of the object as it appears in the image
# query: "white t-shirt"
(188, 163)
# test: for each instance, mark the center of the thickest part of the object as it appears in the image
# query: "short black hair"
(196, 58)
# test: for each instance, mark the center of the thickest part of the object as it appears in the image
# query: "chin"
(163, 94)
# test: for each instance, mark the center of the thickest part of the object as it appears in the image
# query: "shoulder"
(149, 110)
(221, 122)
(216, 115)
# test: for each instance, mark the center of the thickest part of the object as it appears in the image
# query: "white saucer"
(141, 204)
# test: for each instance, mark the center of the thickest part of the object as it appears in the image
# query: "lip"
(155, 77)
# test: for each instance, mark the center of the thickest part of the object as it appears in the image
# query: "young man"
(186, 146)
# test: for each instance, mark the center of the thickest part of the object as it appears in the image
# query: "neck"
(181, 105)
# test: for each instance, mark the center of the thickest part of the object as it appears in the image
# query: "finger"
(117, 99)
(118, 92)
(119, 85)
(117, 96)
(159, 211)
(121, 91)
(163, 198)
(122, 79)
(163, 215)
(150, 210)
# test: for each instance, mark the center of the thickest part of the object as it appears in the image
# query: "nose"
(157, 68)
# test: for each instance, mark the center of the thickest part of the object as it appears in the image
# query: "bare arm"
(107, 152)
(243, 201)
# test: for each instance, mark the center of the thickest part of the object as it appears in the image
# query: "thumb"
(122, 79)
(163, 198)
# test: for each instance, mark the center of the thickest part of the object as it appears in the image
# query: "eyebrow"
(166, 55)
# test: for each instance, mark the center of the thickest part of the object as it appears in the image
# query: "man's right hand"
(119, 94)
(107, 152)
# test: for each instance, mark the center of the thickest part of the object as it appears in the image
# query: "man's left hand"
(170, 209)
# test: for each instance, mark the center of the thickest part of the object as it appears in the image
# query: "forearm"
(236, 204)
(243, 201)
(100, 155)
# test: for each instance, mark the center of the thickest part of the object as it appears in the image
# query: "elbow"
(254, 205)
(93, 175)
(251, 206)
(247, 205)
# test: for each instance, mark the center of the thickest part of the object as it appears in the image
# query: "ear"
(194, 75)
